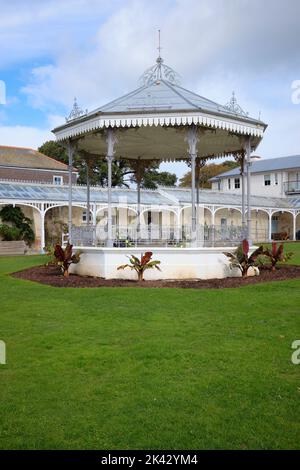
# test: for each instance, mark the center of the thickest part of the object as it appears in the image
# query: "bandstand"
(159, 121)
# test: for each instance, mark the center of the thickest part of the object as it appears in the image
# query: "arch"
(259, 209)
(209, 209)
(184, 207)
(282, 211)
(26, 204)
(116, 207)
(159, 209)
(260, 223)
(228, 208)
(284, 222)
(64, 205)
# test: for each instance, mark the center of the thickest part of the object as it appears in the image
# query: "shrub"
(8, 233)
(140, 265)
(15, 216)
(241, 259)
(276, 254)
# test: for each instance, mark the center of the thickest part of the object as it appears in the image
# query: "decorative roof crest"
(76, 112)
(234, 107)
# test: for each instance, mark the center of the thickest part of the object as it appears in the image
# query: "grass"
(129, 368)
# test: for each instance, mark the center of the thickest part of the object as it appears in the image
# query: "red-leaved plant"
(140, 265)
(276, 255)
(65, 257)
(241, 258)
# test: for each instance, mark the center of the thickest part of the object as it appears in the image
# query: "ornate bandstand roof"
(155, 115)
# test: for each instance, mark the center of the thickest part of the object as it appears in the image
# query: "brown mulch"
(51, 276)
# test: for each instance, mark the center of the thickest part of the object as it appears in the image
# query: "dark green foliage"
(8, 233)
(123, 171)
(21, 225)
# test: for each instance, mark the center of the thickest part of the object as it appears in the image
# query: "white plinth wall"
(176, 263)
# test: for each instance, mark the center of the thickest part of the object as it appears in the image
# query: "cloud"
(24, 136)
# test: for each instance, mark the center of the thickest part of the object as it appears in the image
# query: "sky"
(96, 50)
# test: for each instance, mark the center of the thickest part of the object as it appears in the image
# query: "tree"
(123, 171)
(55, 150)
(15, 217)
(206, 172)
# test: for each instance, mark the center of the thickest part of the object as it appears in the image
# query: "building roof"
(164, 196)
(20, 157)
(267, 165)
(60, 193)
(208, 196)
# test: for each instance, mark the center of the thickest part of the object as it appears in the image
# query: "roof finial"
(76, 112)
(159, 46)
(234, 107)
(159, 71)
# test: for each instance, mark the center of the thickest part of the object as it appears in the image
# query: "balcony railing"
(292, 187)
(162, 236)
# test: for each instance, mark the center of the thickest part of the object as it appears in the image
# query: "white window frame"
(84, 216)
(237, 183)
(267, 178)
(61, 179)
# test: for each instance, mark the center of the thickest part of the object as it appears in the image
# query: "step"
(13, 248)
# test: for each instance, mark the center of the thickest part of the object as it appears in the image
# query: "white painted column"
(294, 225)
(88, 192)
(192, 139)
(213, 218)
(243, 196)
(138, 181)
(248, 154)
(70, 155)
(94, 214)
(270, 225)
(43, 230)
(111, 140)
(178, 225)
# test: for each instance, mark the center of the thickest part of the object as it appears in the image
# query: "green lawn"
(147, 368)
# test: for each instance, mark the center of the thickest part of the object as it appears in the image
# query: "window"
(229, 183)
(58, 180)
(237, 183)
(84, 217)
(276, 179)
(267, 180)
(219, 185)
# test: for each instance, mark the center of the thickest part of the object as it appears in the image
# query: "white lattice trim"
(138, 121)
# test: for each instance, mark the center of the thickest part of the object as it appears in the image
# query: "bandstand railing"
(154, 235)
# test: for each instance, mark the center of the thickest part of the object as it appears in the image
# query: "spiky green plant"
(276, 255)
(64, 257)
(140, 265)
(241, 259)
